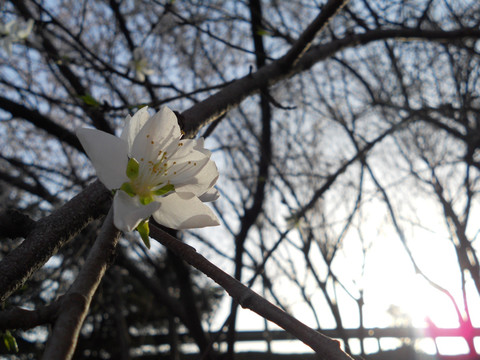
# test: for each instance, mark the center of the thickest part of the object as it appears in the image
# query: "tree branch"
(162, 297)
(324, 346)
(233, 94)
(40, 121)
(18, 318)
(67, 327)
(358, 156)
(304, 42)
(265, 149)
(53, 54)
(14, 224)
(49, 235)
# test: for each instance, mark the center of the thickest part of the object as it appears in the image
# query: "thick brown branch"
(18, 318)
(304, 42)
(14, 224)
(72, 313)
(49, 235)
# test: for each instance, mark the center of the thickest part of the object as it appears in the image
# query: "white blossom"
(14, 31)
(154, 171)
(139, 64)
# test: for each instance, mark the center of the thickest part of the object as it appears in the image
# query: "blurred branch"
(325, 347)
(153, 284)
(265, 150)
(187, 300)
(232, 95)
(358, 156)
(41, 121)
(54, 55)
(123, 336)
(18, 318)
(67, 327)
(403, 240)
(122, 24)
(467, 257)
(131, 45)
(38, 189)
(162, 297)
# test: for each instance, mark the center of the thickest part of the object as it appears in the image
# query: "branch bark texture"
(73, 312)
(49, 235)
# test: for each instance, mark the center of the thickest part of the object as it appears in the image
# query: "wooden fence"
(159, 344)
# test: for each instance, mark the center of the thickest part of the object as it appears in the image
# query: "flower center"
(148, 179)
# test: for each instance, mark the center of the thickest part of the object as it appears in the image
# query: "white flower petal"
(26, 30)
(200, 146)
(11, 26)
(148, 71)
(163, 159)
(184, 211)
(7, 44)
(138, 53)
(185, 172)
(156, 135)
(140, 76)
(133, 125)
(200, 182)
(108, 154)
(128, 212)
(188, 150)
(210, 195)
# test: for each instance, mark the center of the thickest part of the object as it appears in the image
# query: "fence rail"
(159, 340)
(360, 333)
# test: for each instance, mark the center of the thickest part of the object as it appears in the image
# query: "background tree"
(336, 126)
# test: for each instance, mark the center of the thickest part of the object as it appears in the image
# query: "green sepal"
(144, 231)
(262, 32)
(133, 169)
(147, 199)
(89, 100)
(10, 342)
(137, 107)
(128, 188)
(164, 190)
(293, 221)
